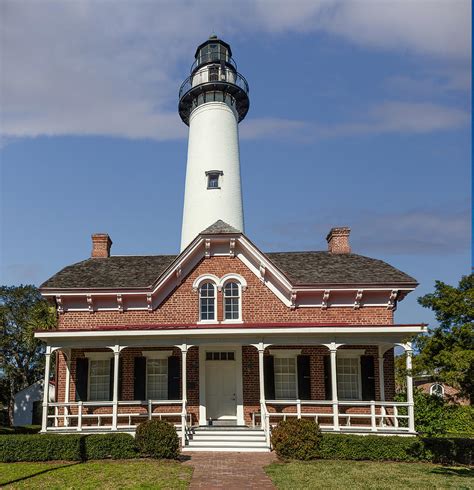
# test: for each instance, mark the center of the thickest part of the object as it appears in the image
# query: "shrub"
(461, 420)
(397, 448)
(431, 413)
(371, 447)
(40, 447)
(115, 446)
(66, 447)
(158, 439)
(449, 450)
(296, 439)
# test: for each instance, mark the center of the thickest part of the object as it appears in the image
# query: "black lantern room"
(214, 78)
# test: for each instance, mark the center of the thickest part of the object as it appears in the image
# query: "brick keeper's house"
(224, 340)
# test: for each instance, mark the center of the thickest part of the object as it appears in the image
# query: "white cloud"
(385, 117)
(434, 27)
(402, 117)
(112, 67)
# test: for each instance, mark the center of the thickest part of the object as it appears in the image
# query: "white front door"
(221, 397)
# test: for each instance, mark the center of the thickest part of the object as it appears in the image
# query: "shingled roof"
(218, 228)
(301, 268)
(305, 268)
(134, 271)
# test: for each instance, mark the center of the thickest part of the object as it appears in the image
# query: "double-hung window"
(207, 302)
(285, 378)
(232, 301)
(99, 379)
(157, 379)
(349, 378)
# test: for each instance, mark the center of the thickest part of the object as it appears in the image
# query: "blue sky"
(360, 116)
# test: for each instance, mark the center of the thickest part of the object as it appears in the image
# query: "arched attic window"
(437, 390)
(232, 301)
(207, 301)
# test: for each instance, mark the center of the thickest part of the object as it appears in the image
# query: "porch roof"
(231, 331)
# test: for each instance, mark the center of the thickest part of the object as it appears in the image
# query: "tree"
(22, 311)
(447, 352)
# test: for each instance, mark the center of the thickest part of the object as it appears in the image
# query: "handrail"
(372, 405)
(228, 77)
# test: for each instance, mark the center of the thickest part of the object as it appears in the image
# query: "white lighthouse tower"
(212, 102)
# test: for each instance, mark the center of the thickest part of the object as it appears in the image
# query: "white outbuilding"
(28, 403)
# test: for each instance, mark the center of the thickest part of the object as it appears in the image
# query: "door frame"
(238, 380)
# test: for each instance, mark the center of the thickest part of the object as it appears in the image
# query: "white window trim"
(287, 354)
(94, 357)
(239, 285)
(352, 354)
(99, 356)
(200, 321)
(146, 371)
(205, 278)
(157, 354)
(236, 277)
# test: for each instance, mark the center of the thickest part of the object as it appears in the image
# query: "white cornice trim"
(206, 332)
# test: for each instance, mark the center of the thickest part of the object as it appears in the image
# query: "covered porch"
(342, 377)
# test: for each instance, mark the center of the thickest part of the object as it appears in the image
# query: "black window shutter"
(173, 378)
(139, 378)
(111, 380)
(367, 373)
(82, 371)
(269, 377)
(327, 378)
(304, 378)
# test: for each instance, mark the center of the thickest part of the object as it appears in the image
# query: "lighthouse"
(212, 102)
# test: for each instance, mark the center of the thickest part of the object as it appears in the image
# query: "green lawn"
(96, 474)
(367, 474)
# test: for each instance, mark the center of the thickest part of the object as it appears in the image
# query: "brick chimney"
(101, 244)
(338, 240)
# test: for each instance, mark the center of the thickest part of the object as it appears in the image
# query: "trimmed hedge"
(66, 447)
(395, 448)
(371, 447)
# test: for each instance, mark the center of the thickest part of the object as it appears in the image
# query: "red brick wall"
(259, 304)
(251, 383)
(251, 394)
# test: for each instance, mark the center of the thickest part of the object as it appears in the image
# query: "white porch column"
(335, 404)
(67, 357)
(116, 350)
(411, 406)
(261, 379)
(184, 385)
(184, 397)
(47, 368)
(381, 374)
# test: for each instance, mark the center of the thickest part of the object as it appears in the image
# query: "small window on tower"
(213, 179)
(213, 73)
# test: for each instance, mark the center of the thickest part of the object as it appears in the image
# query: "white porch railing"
(75, 415)
(382, 416)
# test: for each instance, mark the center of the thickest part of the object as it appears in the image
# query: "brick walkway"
(229, 470)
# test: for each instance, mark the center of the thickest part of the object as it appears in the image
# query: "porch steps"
(227, 439)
